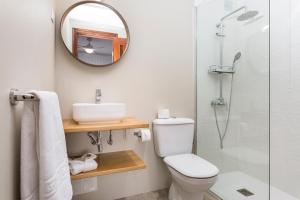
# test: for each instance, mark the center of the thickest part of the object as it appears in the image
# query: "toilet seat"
(192, 166)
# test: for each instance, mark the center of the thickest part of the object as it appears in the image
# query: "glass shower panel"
(233, 95)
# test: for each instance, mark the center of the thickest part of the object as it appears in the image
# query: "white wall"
(285, 96)
(156, 72)
(26, 62)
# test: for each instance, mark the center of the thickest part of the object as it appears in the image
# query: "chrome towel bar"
(15, 96)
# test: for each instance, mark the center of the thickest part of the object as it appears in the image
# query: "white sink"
(90, 113)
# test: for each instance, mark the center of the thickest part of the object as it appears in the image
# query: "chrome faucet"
(98, 96)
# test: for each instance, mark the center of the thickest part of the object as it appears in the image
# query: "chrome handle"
(98, 96)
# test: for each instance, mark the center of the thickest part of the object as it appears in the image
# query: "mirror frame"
(103, 4)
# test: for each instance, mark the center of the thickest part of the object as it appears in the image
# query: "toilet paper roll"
(145, 135)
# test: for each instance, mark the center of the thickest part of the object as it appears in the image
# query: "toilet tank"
(173, 136)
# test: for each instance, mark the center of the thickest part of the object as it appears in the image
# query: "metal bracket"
(110, 140)
(221, 69)
(137, 134)
(15, 96)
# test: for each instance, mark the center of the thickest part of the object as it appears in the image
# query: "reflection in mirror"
(94, 33)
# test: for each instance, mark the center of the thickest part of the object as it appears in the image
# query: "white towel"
(85, 163)
(88, 156)
(29, 162)
(78, 166)
(44, 163)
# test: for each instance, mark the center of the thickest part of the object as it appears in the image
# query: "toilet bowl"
(191, 175)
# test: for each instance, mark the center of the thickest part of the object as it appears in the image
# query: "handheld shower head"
(237, 56)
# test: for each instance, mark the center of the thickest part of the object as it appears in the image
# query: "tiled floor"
(158, 195)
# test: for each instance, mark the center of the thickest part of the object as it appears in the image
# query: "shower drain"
(245, 192)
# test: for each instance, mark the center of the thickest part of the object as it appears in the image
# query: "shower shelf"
(115, 162)
(221, 69)
(70, 126)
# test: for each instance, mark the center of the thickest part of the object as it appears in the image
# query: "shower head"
(237, 56)
(247, 15)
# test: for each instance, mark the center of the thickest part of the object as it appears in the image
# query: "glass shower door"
(233, 95)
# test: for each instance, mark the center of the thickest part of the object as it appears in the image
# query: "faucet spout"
(98, 96)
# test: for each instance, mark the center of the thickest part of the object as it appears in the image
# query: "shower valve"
(218, 102)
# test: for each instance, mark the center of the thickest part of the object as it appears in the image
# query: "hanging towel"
(44, 163)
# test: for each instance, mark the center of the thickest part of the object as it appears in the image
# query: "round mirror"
(94, 33)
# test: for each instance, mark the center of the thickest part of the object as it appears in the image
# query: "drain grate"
(245, 192)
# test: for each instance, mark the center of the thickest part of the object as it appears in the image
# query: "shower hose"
(223, 135)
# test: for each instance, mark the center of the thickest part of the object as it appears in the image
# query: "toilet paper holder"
(139, 135)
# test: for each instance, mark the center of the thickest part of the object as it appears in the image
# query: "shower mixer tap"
(220, 69)
(218, 102)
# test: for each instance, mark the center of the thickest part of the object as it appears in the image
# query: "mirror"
(94, 33)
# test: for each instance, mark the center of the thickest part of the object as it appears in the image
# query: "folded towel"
(44, 162)
(85, 163)
(78, 166)
(87, 156)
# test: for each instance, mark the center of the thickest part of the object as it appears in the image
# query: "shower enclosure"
(233, 95)
(248, 99)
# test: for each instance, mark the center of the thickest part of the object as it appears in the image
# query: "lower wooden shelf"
(115, 162)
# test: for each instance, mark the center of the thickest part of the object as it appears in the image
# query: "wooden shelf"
(116, 162)
(70, 126)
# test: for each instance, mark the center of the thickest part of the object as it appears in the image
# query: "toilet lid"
(192, 166)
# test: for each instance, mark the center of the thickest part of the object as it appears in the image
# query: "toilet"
(191, 174)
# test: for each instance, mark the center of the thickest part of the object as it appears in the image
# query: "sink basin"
(90, 113)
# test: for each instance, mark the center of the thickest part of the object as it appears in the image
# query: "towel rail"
(15, 96)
